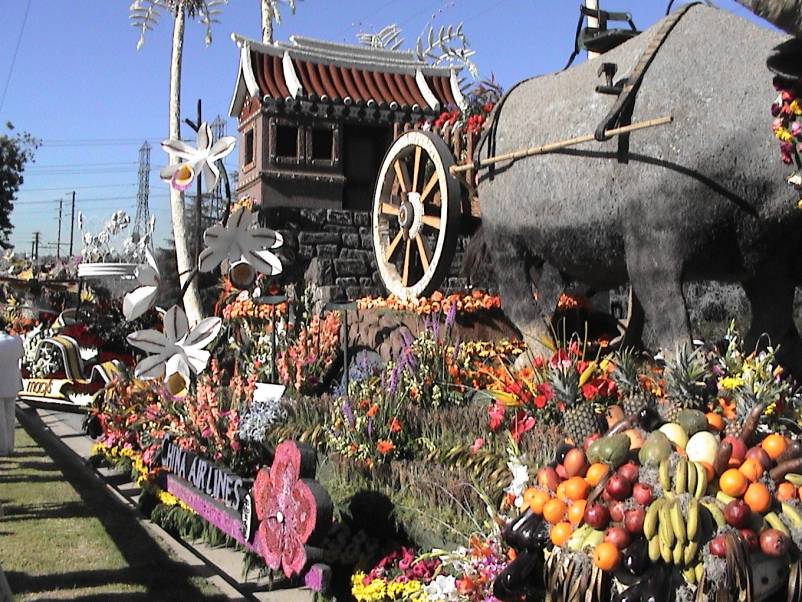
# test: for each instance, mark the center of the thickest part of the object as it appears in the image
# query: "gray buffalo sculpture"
(702, 198)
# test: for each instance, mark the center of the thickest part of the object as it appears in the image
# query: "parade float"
(412, 446)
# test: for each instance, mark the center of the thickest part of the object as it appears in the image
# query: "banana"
(692, 476)
(692, 521)
(723, 497)
(776, 523)
(678, 553)
(666, 552)
(667, 535)
(678, 523)
(699, 569)
(578, 538)
(650, 520)
(701, 480)
(794, 478)
(593, 539)
(793, 515)
(690, 575)
(690, 552)
(665, 475)
(681, 476)
(715, 511)
(654, 548)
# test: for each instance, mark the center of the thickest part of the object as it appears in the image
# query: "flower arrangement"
(787, 128)
(476, 301)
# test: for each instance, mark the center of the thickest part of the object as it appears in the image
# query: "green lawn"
(63, 537)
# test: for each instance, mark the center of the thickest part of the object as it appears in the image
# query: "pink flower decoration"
(289, 509)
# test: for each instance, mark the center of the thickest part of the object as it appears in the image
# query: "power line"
(98, 199)
(14, 57)
(50, 189)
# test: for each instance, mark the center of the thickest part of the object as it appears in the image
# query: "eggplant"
(526, 532)
(512, 582)
(649, 419)
(564, 449)
(794, 450)
(655, 588)
(636, 557)
(631, 594)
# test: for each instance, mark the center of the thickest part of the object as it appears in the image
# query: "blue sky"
(79, 84)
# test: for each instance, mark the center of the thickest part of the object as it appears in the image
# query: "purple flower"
(451, 315)
(407, 337)
(796, 128)
(455, 354)
(370, 426)
(394, 378)
(349, 415)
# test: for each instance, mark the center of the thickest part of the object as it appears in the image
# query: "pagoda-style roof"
(345, 74)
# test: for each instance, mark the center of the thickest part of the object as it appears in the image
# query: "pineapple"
(580, 418)
(685, 386)
(626, 379)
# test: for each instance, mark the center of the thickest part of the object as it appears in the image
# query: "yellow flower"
(796, 109)
(784, 135)
(731, 382)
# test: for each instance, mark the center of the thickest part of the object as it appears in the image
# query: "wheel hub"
(406, 215)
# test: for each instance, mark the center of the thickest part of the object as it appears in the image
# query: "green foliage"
(16, 151)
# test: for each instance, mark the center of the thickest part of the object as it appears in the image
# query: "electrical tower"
(142, 211)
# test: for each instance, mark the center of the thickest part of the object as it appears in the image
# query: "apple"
(633, 520)
(629, 471)
(575, 463)
(597, 516)
(738, 448)
(737, 514)
(642, 493)
(618, 487)
(718, 546)
(759, 454)
(547, 478)
(590, 439)
(616, 511)
(774, 543)
(751, 539)
(618, 537)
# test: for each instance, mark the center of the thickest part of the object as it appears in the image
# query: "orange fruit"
(576, 511)
(785, 491)
(576, 488)
(752, 469)
(537, 500)
(554, 511)
(715, 421)
(560, 493)
(560, 533)
(774, 445)
(596, 472)
(606, 556)
(733, 482)
(758, 497)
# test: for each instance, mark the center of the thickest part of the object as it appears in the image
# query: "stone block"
(365, 281)
(338, 228)
(354, 292)
(329, 251)
(306, 251)
(340, 217)
(365, 256)
(347, 281)
(362, 218)
(320, 272)
(317, 238)
(351, 240)
(350, 267)
(367, 241)
(316, 216)
(364, 230)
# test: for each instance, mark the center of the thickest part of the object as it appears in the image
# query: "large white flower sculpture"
(243, 246)
(176, 352)
(202, 158)
(141, 299)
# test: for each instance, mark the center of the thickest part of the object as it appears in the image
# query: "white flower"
(243, 246)
(176, 351)
(443, 587)
(795, 180)
(203, 158)
(141, 299)
(520, 478)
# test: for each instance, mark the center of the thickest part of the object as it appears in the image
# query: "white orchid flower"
(176, 352)
(243, 246)
(141, 299)
(202, 158)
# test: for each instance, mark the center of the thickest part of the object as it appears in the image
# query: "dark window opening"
(249, 147)
(287, 141)
(323, 144)
(363, 150)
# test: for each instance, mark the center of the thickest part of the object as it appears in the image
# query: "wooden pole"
(592, 22)
(553, 146)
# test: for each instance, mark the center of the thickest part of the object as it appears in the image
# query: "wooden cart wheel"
(416, 215)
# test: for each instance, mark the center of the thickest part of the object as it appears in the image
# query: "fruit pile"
(664, 507)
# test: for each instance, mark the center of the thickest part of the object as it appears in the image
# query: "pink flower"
(477, 445)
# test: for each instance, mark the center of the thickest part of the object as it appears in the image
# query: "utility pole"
(58, 240)
(36, 236)
(592, 22)
(72, 221)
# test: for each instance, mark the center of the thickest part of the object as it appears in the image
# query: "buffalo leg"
(771, 297)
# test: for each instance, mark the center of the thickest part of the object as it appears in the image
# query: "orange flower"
(395, 425)
(373, 410)
(384, 446)
(437, 296)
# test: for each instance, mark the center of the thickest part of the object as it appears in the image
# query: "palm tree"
(270, 13)
(144, 16)
(785, 14)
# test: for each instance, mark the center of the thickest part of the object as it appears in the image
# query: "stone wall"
(333, 249)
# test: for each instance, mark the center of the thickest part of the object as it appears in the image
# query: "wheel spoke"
(431, 220)
(391, 249)
(390, 209)
(402, 175)
(416, 169)
(406, 262)
(429, 186)
(424, 257)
